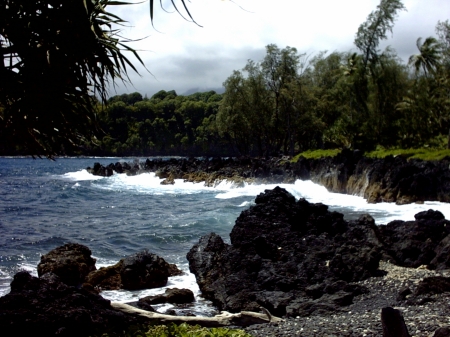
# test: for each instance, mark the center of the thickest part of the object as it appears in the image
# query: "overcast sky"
(182, 56)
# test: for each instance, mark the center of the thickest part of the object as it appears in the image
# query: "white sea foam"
(245, 204)
(81, 175)
(151, 184)
(185, 281)
(382, 212)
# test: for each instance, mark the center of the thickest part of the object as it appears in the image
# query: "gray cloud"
(187, 57)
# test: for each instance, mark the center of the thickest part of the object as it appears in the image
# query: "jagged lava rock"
(171, 295)
(424, 241)
(71, 262)
(142, 270)
(279, 248)
(48, 307)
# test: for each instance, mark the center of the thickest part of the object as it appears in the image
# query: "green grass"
(423, 153)
(316, 154)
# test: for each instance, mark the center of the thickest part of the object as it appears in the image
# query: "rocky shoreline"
(324, 275)
(300, 261)
(391, 179)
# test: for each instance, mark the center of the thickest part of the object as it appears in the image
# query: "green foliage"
(375, 29)
(316, 154)
(422, 153)
(55, 56)
(182, 330)
(165, 124)
(266, 107)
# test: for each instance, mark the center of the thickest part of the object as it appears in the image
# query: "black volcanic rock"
(48, 307)
(143, 270)
(279, 249)
(296, 258)
(171, 295)
(71, 262)
(389, 179)
(424, 241)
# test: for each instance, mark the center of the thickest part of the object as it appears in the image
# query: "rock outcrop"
(171, 295)
(65, 300)
(71, 263)
(420, 242)
(46, 306)
(391, 179)
(296, 258)
(142, 270)
(289, 256)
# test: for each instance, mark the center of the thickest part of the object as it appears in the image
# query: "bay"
(45, 204)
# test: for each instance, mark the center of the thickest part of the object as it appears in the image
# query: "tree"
(263, 103)
(367, 40)
(443, 32)
(58, 56)
(371, 32)
(429, 56)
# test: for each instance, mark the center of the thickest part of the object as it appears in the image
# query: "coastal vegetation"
(420, 153)
(181, 330)
(288, 102)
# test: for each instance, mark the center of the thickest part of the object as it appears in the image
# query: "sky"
(182, 56)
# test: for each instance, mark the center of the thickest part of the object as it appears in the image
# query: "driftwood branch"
(244, 318)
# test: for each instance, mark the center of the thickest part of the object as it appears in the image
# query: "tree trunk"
(244, 318)
(448, 140)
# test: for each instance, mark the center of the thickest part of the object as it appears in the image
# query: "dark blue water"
(41, 208)
(45, 204)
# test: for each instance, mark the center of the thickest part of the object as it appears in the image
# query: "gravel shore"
(363, 317)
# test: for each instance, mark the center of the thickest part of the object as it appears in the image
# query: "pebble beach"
(363, 317)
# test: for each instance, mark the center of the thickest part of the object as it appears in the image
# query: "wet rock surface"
(142, 270)
(171, 295)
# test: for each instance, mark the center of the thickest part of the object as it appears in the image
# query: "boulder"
(100, 170)
(142, 270)
(420, 242)
(171, 295)
(106, 278)
(71, 263)
(433, 285)
(280, 248)
(48, 307)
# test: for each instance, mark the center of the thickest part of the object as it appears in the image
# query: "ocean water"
(45, 204)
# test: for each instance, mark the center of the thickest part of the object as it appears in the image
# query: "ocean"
(45, 204)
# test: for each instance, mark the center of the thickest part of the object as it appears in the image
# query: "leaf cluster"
(59, 56)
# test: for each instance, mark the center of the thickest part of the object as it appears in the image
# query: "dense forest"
(289, 102)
